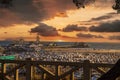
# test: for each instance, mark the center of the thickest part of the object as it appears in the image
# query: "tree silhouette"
(82, 3)
(5, 3)
(113, 73)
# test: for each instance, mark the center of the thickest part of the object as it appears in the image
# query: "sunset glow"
(54, 22)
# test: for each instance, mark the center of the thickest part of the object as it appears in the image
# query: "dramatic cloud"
(22, 12)
(71, 28)
(101, 19)
(104, 17)
(99, 3)
(34, 11)
(8, 18)
(45, 30)
(81, 35)
(107, 27)
(114, 37)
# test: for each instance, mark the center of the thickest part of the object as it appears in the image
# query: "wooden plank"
(42, 62)
(3, 70)
(86, 67)
(57, 72)
(72, 76)
(100, 71)
(16, 74)
(43, 76)
(86, 70)
(45, 70)
(29, 69)
(55, 63)
(101, 65)
(14, 69)
(69, 72)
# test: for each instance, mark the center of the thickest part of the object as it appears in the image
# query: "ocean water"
(102, 45)
(5, 43)
(96, 45)
(115, 46)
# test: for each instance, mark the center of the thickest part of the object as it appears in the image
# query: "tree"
(82, 3)
(5, 3)
(113, 73)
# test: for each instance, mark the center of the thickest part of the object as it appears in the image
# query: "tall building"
(37, 39)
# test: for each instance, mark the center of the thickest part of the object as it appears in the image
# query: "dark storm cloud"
(34, 11)
(97, 3)
(107, 27)
(27, 11)
(45, 30)
(7, 18)
(22, 11)
(81, 35)
(104, 17)
(114, 37)
(71, 28)
(100, 19)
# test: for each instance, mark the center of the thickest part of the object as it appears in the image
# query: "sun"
(59, 40)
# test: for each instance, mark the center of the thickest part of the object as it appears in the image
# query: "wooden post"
(33, 72)
(57, 72)
(3, 66)
(43, 76)
(28, 69)
(16, 77)
(72, 76)
(86, 70)
(16, 74)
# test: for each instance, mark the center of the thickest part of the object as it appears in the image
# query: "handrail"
(29, 64)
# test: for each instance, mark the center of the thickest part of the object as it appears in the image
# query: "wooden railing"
(57, 74)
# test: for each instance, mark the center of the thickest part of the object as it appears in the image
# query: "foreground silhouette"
(117, 5)
(79, 3)
(5, 3)
(113, 73)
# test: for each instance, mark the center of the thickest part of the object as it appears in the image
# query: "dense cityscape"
(38, 51)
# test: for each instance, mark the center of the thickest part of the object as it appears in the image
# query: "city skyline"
(60, 20)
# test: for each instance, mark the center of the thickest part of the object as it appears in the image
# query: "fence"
(57, 75)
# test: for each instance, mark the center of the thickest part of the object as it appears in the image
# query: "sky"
(60, 20)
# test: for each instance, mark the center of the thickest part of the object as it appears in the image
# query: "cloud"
(8, 18)
(104, 17)
(27, 11)
(114, 37)
(5, 32)
(100, 19)
(22, 12)
(71, 28)
(61, 14)
(68, 37)
(107, 27)
(97, 3)
(81, 35)
(17, 38)
(34, 11)
(45, 30)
